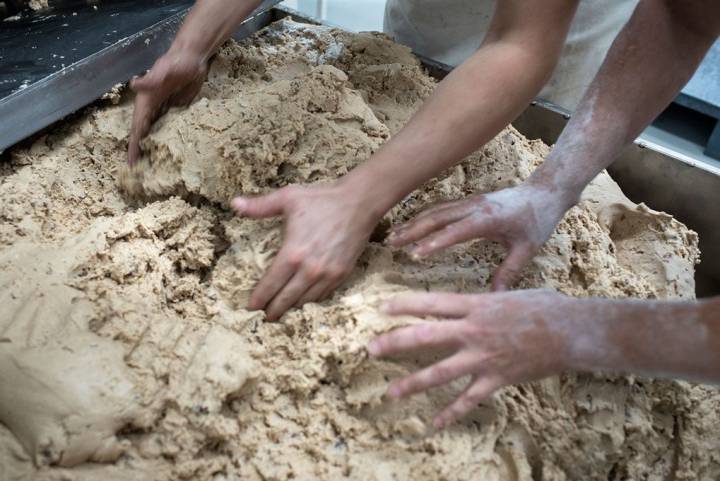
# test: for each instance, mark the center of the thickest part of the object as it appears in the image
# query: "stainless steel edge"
(30, 110)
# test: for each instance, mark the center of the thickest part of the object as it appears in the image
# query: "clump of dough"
(296, 130)
(66, 400)
(222, 393)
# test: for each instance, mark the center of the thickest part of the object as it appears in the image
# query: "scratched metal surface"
(40, 44)
(53, 63)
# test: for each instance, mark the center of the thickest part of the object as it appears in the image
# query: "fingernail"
(438, 423)
(394, 391)
(416, 255)
(373, 349)
(385, 307)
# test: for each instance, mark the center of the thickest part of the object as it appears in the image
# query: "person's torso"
(450, 31)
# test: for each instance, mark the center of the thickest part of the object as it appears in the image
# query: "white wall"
(354, 15)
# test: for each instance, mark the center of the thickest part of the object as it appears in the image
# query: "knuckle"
(473, 398)
(469, 330)
(296, 257)
(314, 270)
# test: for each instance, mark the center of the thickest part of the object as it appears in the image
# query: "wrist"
(563, 196)
(371, 195)
(192, 50)
(555, 175)
(587, 345)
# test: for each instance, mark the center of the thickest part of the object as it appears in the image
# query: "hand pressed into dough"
(498, 339)
(521, 218)
(175, 79)
(325, 233)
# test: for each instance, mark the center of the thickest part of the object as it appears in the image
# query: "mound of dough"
(285, 131)
(221, 393)
(66, 400)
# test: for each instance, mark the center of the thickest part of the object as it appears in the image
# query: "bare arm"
(651, 59)
(210, 23)
(326, 228)
(521, 336)
(649, 62)
(472, 104)
(177, 76)
(652, 338)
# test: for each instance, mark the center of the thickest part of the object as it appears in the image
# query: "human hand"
(326, 229)
(498, 339)
(521, 218)
(174, 80)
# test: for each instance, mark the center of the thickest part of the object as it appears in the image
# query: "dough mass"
(139, 277)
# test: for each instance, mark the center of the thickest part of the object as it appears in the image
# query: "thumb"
(508, 272)
(149, 81)
(268, 205)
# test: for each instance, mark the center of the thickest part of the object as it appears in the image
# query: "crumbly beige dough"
(300, 128)
(114, 95)
(213, 391)
(57, 422)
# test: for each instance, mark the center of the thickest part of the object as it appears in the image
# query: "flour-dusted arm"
(651, 59)
(512, 337)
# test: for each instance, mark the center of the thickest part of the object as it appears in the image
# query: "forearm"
(472, 104)
(654, 338)
(468, 108)
(649, 62)
(210, 23)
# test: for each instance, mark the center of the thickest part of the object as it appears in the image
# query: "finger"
(328, 292)
(289, 295)
(268, 205)
(477, 391)
(438, 374)
(315, 293)
(452, 234)
(430, 211)
(138, 131)
(143, 114)
(508, 272)
(424, 225)
(185, 96)
(422, 304)
(133, 149)
(430, 334)
(277, 275)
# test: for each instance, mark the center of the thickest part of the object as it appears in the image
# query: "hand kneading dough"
(224, 395)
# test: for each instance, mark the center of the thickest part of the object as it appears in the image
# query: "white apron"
(450, 31)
